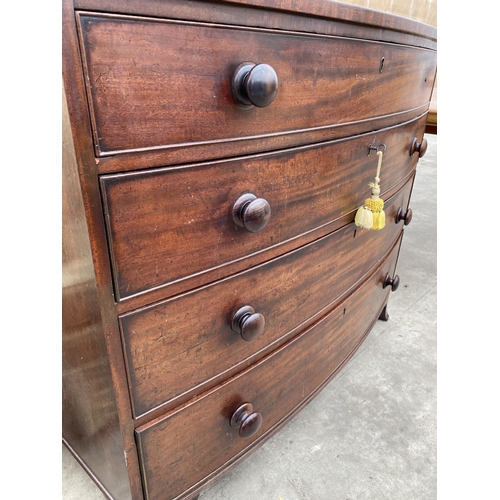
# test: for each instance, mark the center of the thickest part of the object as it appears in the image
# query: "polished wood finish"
(431, 125)
(170, 73)
(176, 155)
(185, 345)
(247, 323)
(246, 420)
(214, 157)
(251, 213)
(406, 217)
(174, 458)
(332, 18)
(392, 282)
(161, 233)
(418, 147)
(94, 437)
(254, 85)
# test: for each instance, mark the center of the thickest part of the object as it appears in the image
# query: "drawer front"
(192, 443)
(185, 345)
(161, 83)
(168, 224)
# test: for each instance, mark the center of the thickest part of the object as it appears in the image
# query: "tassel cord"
(371, 215)
(377, 175)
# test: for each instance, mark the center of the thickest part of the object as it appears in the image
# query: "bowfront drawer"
(189, 444)
(182, 346)
(169, 224)
(158, 84)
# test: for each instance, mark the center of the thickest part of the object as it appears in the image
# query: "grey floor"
(371, 433)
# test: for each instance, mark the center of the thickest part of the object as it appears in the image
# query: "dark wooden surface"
(90, 419)
(168, 224)
(432, 117)
(98, 336)
(191, 443)
(326, 17)
(183, 346)
(153, 164)
(150, 81)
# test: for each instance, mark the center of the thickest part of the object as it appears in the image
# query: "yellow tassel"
(371, 215)
(378, 220)
(375, 205)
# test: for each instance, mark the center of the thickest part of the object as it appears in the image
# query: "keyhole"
(382, 64)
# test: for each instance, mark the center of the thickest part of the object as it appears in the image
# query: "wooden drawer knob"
(251, 212)
(417, 146)
(255, 85)
(392, 282)
(246, 420)
(247, 323)
(404, 216)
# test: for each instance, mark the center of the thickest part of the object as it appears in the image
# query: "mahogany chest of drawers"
(214, 157)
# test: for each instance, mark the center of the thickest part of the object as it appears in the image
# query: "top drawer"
(160, 83)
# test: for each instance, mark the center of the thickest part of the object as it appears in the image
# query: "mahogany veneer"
(177, 217)
(214, 157)
(184, 70)
(277, 386)
(164, 366)
(431, 127)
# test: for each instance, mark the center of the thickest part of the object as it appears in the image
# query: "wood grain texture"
(168, 224)
(326, 17)
(150, 81)
(156, 152)
(431, 126)
(178, 287)
(101, 331)
(186, 446)
(195, 153)
(90, 420)
(181, 347)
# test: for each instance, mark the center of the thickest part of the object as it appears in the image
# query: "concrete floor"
(371, 433)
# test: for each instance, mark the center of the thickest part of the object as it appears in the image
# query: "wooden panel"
(184, 345)
(334, 18)
(111, 454)
(167, 224)
(188, 445)
(431, 126)
(90, 421)
(151, 81)
(212, 151)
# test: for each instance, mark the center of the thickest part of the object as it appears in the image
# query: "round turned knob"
(251, 212)
(255, 85)
(246, 420)
(392, 282)
(247, 323)
(417, 146)
(404, 216)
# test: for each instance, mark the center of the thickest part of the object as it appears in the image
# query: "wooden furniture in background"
(214, 157)
(432, 116)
